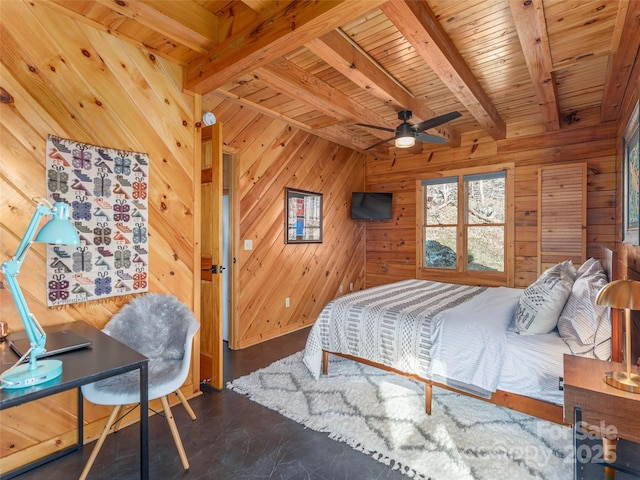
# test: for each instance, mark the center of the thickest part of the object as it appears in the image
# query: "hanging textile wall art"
(107, 192)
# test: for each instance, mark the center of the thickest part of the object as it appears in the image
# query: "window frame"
(460, 274)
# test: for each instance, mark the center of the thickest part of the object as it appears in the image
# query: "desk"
(603, 409)
(105, 358)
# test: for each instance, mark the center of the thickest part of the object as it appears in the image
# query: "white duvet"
(468, 341)
(458, 335)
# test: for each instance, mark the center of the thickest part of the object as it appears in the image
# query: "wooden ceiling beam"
(351, 61)
(220, 92)
(341, 136)
(347, 59)
(265, 8)
(621, 64)
(172, 23)
(263, 42)
(287, 77)
(421, 28)
(334, 133)
(61, 6)
(531, 27)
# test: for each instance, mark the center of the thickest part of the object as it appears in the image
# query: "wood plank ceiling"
(324, 66)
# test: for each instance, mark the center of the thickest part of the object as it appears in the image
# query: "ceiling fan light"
(405, 142)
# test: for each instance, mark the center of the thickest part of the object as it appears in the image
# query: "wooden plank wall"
(64, 78)
(269, 155)
(391, 246)
(629, 254)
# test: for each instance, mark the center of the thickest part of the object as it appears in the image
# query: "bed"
(477, 340)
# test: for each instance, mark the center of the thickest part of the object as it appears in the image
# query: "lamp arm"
(10, 269)
(29, 234)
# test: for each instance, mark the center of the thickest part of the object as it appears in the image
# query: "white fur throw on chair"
(156, 326)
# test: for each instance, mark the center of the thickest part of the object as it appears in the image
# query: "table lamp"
(623, 294)
(58, 230)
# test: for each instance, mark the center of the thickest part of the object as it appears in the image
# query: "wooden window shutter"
(562, 214)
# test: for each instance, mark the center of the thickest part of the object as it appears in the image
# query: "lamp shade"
(59, 230)
(620, 294)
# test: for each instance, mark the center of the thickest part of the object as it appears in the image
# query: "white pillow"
(590, 267)
(542, 301)
(584, 325)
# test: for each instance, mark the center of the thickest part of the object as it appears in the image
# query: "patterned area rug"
(382, 414)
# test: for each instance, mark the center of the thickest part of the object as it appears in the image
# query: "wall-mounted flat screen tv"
(371, 205)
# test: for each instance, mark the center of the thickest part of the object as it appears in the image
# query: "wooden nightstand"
(590, 403)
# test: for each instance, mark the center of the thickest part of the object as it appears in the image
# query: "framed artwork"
(631, 179)
(303, 216)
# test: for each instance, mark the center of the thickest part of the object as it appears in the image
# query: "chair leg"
(183, 399)
(98, 446)
(116, 425)
(174, 432)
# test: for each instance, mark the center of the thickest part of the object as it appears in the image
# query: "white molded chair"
(161, 328)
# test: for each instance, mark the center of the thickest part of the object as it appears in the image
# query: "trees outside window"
(465, 222)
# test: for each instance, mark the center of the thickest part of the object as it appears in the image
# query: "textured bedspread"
(389, 324)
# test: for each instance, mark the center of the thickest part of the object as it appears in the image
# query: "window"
(465, 223)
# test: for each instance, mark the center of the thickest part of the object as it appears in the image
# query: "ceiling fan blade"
(426, 137)
(435, 121)
(378, 144)
(375, 126)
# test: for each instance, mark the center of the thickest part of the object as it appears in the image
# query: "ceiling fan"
(406, 134)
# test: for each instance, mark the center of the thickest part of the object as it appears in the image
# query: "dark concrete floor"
(232, 438)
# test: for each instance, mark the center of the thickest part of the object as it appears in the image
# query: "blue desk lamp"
(58, 230)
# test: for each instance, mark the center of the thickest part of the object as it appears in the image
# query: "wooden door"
(211, 261)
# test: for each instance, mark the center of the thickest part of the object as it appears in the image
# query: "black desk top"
(106, 357)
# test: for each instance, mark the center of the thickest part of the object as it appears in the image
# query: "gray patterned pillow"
(584, 325)
(542, 301)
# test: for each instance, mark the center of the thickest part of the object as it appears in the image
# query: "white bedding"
(453, 334)
(468, 341)
(533, 365)
(388, 324)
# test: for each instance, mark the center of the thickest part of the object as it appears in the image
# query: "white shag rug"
(382, 414)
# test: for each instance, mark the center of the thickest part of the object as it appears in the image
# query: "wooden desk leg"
(609, 451)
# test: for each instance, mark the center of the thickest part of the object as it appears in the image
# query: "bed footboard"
(530, 406)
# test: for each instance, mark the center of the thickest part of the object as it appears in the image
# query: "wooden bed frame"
(530, 406)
